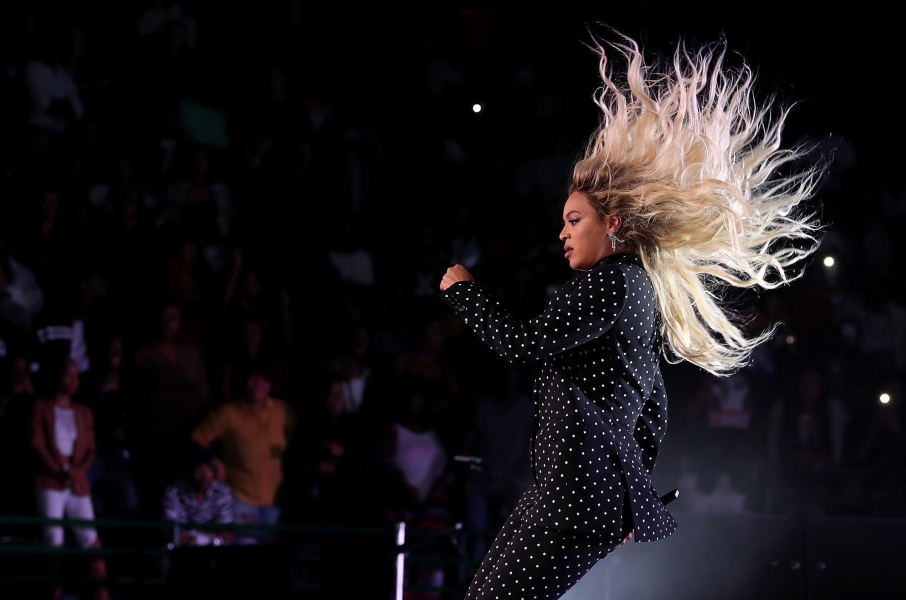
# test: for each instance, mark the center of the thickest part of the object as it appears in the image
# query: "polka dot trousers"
(530, 562)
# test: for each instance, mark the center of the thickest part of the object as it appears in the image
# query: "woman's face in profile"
(584, 235)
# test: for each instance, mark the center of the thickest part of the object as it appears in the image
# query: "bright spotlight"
(885, 398)
(476, 108)
(829, 261)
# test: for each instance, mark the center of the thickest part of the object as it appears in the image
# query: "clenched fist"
(455, 274)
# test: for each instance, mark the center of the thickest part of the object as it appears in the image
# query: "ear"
(613, 223)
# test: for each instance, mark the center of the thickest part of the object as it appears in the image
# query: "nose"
(563, 235)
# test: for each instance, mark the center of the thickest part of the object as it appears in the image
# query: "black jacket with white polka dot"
(600, 405)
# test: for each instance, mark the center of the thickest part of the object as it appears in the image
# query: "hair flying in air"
(692, 165)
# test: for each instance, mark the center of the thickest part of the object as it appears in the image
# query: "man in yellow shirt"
(254, 433)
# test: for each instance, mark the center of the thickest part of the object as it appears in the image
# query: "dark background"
(323, 161)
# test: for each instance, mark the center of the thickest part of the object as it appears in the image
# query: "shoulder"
(635, 276)
(82, 411)
(604, 272)
(604, 282)
(285, 409)
(630, 266)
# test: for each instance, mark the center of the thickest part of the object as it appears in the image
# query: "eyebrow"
(573, 211)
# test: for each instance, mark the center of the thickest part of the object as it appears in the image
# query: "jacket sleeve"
(212, 427)
(39, 442)
(652, 423)
(171, 509)
(87, 459)
(571, 319)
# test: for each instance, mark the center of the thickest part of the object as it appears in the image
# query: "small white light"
(828, 261)
(476, 108)
(790, 339)
(885, 398)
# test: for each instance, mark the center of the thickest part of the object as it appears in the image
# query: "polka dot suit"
(600, 416)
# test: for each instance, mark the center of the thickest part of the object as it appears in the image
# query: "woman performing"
(683, 189)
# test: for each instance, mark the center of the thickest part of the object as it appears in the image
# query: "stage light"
(829, 261)
(790, 339)
(885, 398)
(476, 108)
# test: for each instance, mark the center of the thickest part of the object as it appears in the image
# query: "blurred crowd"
(220, 253)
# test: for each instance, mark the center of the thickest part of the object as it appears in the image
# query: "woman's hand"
(455, 274)
(628, 537)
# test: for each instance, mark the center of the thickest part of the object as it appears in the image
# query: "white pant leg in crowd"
(55, 504)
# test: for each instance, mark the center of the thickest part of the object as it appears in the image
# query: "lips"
(567, 252)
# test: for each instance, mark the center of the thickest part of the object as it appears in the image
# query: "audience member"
(21, 299)
(171, 392)
(500, 438)
(254, 434)
(202, 206)
(251, 354)
(198, 498)
(354, 370)
(54, 104)
(112, 476)
(63, 438)
(418, 458)
(136, 171)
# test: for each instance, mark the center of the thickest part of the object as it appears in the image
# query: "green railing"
(303, 539)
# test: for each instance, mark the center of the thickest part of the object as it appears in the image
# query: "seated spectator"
(254, 434)
(197, 497)
(63, 438)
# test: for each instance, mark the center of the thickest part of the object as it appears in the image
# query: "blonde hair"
(690, 163)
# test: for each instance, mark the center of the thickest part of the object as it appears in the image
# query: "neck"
(63, 400)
